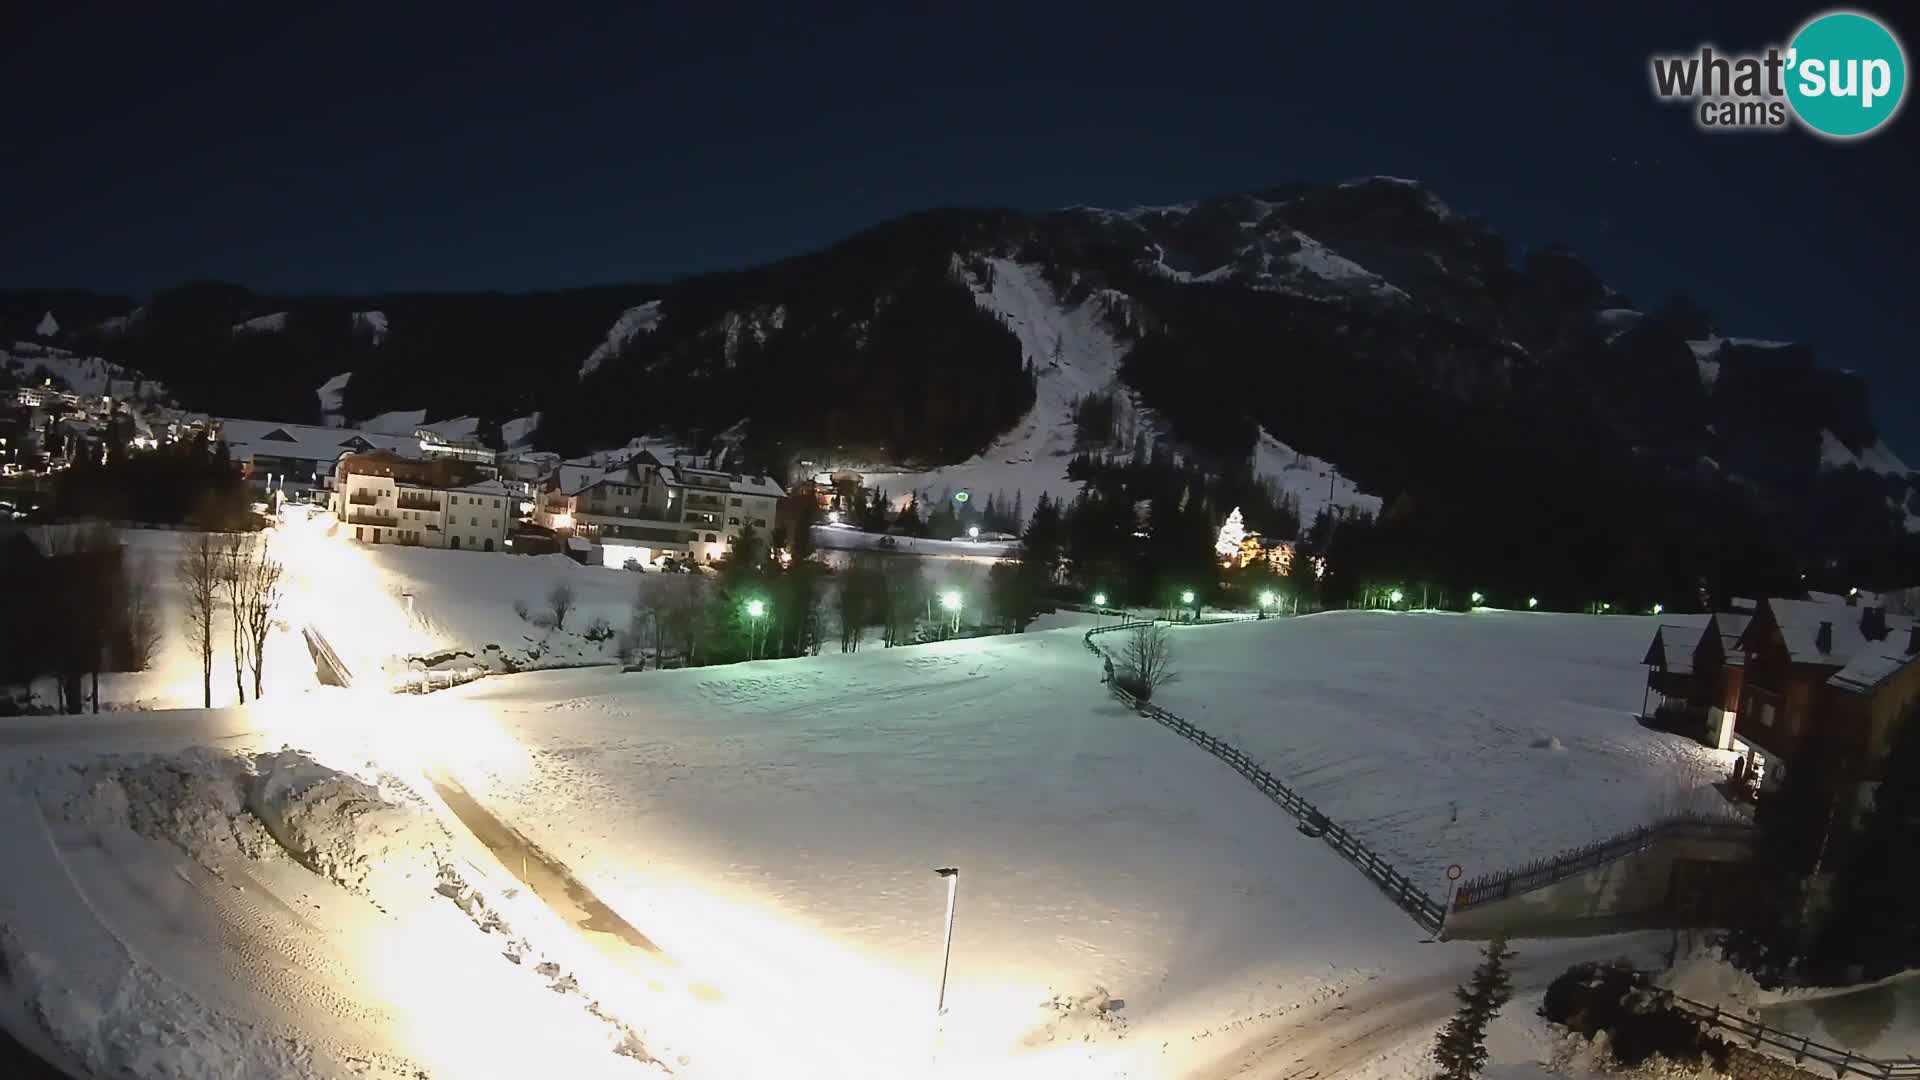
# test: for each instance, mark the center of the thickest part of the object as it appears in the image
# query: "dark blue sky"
(466, 146)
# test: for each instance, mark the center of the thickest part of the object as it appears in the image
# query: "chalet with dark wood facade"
(1846, 675)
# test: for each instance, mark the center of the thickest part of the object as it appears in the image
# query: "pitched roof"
(1801, 623)
(304, 441)
(1875, 663)
(1730, 625)
(1672, 647)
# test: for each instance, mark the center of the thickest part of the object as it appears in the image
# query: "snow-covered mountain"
(1352, 342)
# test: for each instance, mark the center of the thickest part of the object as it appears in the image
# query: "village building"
(387, 498)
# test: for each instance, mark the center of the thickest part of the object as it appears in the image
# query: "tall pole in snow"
(952, 874)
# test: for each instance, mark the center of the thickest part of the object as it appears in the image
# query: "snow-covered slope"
(1486, 739)
(89, 376)
(332, 394)
(262, 324)
(1074, 353)
(1878, 458)
(634, 321)
(1313, 482)
(371, 323)
(48, 326)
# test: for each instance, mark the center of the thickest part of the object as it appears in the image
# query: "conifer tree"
(1461, 1047)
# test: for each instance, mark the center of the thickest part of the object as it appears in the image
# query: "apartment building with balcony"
(643, 510)
(385, 498)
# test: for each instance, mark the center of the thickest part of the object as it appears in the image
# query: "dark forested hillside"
(1494, 400)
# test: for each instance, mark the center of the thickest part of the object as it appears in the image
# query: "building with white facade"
(643, 510)
(385, 498)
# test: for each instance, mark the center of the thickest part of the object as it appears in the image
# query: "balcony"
(705, 502)
(418, 502)
(379, 518)
(364, 498)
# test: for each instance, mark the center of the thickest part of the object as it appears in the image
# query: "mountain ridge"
(1357, 322)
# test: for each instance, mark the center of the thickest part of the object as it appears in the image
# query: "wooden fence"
(1801, 1047)
(1542, 872)
(1424, 909)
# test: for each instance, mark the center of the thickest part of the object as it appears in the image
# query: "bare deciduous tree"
(560, 601)
(232, 569)
(255, 599)
(136, 632)
(1146, 660)
(854, 599)
(198, 573)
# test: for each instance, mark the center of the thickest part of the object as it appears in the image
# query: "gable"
(278, 435)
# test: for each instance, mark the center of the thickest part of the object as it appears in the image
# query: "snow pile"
(641, 319)
(192, 800)
(1486, 739)
(262, 324)
(1074, 353)
(344, 829)
(384, 947)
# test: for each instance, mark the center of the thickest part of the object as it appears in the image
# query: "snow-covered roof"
(489, 486)
(1877, 661)
(1672, 648)
(1862, 599)
(1801, 625)
(246, 438)
(1730, 625)
(738, 484)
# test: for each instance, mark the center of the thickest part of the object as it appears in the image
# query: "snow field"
(1485, 739)
(1127, 905)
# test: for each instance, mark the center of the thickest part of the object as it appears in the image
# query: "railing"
(1542, 872)
(417, 502)
(1426, 911)
(363, 498)
(381, 518)
(1802, 1047)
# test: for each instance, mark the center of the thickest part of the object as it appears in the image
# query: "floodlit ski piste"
(729, 871)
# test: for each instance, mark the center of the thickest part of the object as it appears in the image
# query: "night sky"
(463, 147)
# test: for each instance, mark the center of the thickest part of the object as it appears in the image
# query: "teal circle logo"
(1846, 74)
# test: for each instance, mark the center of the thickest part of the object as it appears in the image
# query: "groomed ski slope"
(1484, 739)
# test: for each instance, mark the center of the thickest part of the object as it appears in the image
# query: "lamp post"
(1266, 601)
(1396, 596)
(973, 532)
(756, 609)
(952, 874)
(1187, 598)
(1532, 602)
(950, 601)
(1479, 598)
(1099, 602)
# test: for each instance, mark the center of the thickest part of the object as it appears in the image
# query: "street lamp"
(1479, 598)
(833, 517)
(973, 532)
(950, 600)
(1658, 608)
(1266, 601)
(1396, 596)
(1532, 602)
(1099, 599)
(756, 609)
